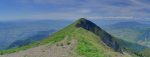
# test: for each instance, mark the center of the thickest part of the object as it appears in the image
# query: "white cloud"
(85, 11)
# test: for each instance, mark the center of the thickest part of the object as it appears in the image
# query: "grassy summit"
(92, 41)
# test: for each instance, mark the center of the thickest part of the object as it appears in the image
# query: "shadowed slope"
(105, 37)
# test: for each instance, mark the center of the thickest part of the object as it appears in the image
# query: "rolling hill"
(82, 38)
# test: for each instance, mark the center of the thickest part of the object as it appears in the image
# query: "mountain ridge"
(92, 41)
(107, 39)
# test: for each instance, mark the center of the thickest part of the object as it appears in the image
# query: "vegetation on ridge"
(90, 43)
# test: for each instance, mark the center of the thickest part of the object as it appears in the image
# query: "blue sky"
(74, 9)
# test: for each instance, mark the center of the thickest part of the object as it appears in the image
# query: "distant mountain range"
(129, 24)
(13, 31)
(131, 31)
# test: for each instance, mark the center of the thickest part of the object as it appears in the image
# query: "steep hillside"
(80, 39)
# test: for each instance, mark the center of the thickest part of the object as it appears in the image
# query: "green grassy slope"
(146, 52)
(92, 41)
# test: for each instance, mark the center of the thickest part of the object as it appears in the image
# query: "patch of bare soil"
(60, 49)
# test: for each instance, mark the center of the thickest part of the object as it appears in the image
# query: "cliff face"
(104, 36)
